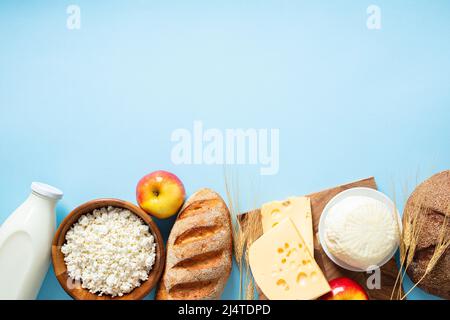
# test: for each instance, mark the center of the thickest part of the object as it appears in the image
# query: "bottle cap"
(46, 190)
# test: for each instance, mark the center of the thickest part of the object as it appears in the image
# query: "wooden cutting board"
(388, 272)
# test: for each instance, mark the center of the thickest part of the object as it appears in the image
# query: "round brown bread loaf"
(431, 202)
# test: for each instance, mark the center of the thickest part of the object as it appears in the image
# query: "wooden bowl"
(74, 289)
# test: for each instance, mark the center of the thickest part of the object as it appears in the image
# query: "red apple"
(345, 289)
(160, 194)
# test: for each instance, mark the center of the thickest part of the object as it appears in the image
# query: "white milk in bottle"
(25, 243)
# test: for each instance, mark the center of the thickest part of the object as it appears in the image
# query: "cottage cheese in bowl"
(111, 251)
(359, 229)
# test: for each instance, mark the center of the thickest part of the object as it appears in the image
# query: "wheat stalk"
(398, 280)
(250, 290)
(415, 228)
(442, 245)
(408, 241)
(237, 228)
(411, 231)
(245, 231)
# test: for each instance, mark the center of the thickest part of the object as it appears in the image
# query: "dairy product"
(298, 209)
(111, 251)
(25, 244)
(283, 266)
(361, 231)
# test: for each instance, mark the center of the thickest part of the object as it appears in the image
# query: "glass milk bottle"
(25, 243)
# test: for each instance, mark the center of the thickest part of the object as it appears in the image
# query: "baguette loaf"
(199, 250)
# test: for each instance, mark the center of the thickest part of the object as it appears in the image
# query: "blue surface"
(92, 110)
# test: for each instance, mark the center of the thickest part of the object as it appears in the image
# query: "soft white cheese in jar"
(361, 231)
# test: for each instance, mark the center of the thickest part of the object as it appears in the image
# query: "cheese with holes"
(283, 267)
(296, 208)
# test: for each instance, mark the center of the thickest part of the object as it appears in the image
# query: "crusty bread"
(199, 250)
(431, 200)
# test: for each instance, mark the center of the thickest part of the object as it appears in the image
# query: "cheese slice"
(296, 208)
(282, 266)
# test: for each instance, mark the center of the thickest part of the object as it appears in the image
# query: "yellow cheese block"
(282, 266)
(296, 208)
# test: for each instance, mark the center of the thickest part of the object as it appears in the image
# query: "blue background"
(92, 110)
